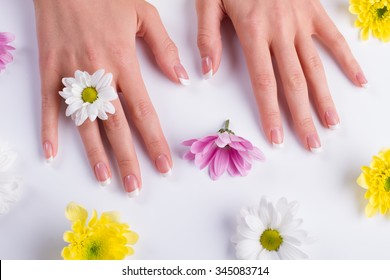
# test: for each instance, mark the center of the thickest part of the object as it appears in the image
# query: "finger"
(144, 116)
(259, 62)
(118, 133)
(50, 86)
(315, 76)
(90, 134)
(210, 16)
(331, 37)
(164, 49)
(295, 88)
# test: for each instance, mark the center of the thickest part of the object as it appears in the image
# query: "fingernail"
(207, 67)
(101, 172)
(163, 166)
(277, 138)
(362, 80)
(131, 186)
(182, 75)
(48, 150)
(314, 143)
(332, 120)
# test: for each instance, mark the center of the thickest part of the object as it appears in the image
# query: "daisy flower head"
(271, 232)
(5, 54)
(376, 180)
(9, 183)
(104, 238)
(223, 151)
(373, 18)
(89, 96)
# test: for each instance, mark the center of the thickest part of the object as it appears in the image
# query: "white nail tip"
(278, 146)
(334, 127)
(366, 85)
(316, 150)
(167, 174)
(185, 82)
(105, 183)
(208, 75)
(49, 160)
(133, 194)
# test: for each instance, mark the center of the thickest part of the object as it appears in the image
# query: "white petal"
(108, 94)
(66, 93)
(104, 81)
(102, 115)
(96, 77)
(109, 108)
(263, 212)
(72, 108)
(268, 255)
(254, 223)
(246, 248)
(68, 82)
(73, 99)
(290, 252)
(78, 76)
(81, 116)
(7, 158)
(249, 233)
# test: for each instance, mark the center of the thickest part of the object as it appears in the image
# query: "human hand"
(282, 29)
(92, 34)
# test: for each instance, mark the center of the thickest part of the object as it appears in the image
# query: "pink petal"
(242, 166)
(189, 142)
(189, 156)
(223, 139)
(232, 169)
(202, 160)
(220, 162)
(201, 144)
(257, 154)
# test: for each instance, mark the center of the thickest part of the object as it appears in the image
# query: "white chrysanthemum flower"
(89, 96)
(271, 232)
(9, 183)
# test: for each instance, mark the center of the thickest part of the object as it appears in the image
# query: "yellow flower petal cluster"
(104, 238)
(376, 179)
(373, 18)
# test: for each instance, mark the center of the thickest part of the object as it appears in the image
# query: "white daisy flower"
(268, 232)
(89, 96)
(9, 183)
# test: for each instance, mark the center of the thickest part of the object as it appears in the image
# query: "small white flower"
(89, 96)
(266, 231)
(9, 183)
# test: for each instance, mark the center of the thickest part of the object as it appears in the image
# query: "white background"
(188, 216)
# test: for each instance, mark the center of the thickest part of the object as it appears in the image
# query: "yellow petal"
(370, 210)
(132, 237)
(365, 33)
(110, 217)
(75, 212)
(362, 181)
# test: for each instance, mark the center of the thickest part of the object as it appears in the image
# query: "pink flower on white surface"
(5, 54)
(223, 152)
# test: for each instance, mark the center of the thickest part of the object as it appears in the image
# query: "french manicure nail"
(277, 138)
(332, 120)
(362, 80)
(48, 150)
(101, 172)
(131, 186)
(314, 143)
(207, 67)
(182, 75)
(163, 166)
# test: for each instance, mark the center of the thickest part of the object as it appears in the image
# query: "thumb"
(210, 15)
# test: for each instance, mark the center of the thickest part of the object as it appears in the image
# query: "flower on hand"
(373, 18)
(376, 179)
(5, 54)
(104, 238)
(89, 96)
(268, 231)
(9, 183)
(222, 152)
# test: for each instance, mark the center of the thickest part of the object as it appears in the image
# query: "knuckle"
(272, 117)
(151, 11)
(338, 39)
(126, 163)
(93, 152)
(296, 83)
(204, 39)
(306, 123)
(91, 54)
(113, 123)
(315, 63)
(169, 46)
(264, 83)
(155, 145)
(142, 110)
(325, 101)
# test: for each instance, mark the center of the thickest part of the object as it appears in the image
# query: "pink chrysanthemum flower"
(222, 152)
(5, 54)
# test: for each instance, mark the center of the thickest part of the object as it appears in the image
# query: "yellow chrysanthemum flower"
(373, 18)
(376, 179)
(101, 239)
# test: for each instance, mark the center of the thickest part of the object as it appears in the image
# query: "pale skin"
(92, 34)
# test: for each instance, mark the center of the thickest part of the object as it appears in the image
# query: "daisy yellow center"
(381, 12)
(387, 184)
(271, 240)
(89, 95)
(94, 250)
